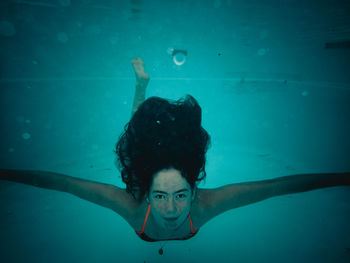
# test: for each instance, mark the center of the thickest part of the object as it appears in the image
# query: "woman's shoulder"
(203, 207)
(200, 207)
(138, 213)
(128, 207)
(202, 198)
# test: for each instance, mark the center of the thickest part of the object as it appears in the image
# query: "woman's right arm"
(105, 195)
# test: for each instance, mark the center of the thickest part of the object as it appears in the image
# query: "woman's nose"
(171, 205)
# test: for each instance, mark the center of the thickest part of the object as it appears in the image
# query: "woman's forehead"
(169, 180)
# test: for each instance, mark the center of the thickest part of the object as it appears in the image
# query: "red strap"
(145, 221)
(192, 231)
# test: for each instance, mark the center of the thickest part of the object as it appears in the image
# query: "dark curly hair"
(162, 134)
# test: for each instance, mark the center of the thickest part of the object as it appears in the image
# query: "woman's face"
(170, 197)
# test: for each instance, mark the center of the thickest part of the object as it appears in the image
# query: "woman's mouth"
(171, 219)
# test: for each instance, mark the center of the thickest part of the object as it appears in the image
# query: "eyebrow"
(162, 192)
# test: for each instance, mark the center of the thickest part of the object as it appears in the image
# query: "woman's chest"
(154, 231)
(149, 226)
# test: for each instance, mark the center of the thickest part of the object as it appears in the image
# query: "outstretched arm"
(105, 195)
(142, 80)
(231, 196)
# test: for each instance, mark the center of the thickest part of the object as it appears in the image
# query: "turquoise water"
(274, 101)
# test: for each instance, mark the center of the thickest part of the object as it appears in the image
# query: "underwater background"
(272, 78)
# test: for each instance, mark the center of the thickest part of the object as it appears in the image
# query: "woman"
(161, 156)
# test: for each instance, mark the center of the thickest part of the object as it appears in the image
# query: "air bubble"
(26, 136)
(304, 93)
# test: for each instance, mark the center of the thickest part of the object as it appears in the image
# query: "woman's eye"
(159, 196)
(181, 196)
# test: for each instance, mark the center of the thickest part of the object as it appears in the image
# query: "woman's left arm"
(231, 196)
(307, 182)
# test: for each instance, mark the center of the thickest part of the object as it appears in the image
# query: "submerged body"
(172, 208)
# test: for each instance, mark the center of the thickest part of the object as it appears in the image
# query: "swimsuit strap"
(145, 221)
(192, 231)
